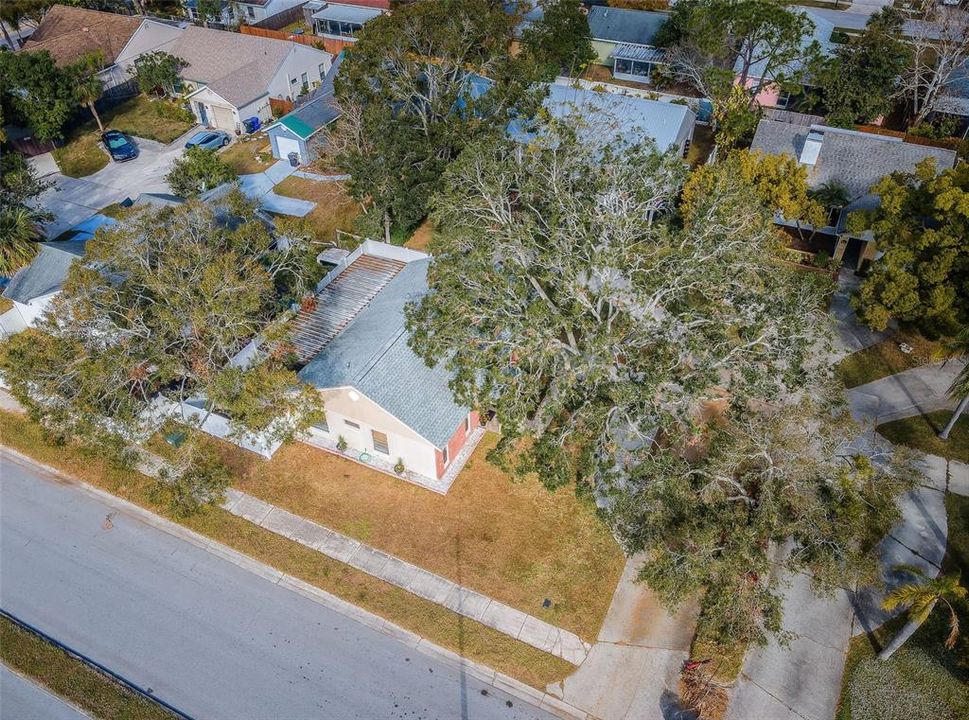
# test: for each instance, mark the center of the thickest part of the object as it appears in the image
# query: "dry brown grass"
(421, 237)
(248, 157)
(886, 358)
(335, 209)
(514, 541)
(438, 624)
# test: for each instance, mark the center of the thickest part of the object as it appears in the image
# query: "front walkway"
(259, 188)
(633, 669)
(420, 582)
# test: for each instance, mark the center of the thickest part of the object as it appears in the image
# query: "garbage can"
(251, 124)
(293, 159)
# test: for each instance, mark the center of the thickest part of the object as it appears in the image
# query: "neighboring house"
(850, 158)
(954, 98)
(71, 33)
(224, 17)
(231, 76)
(342, 21)
(771, 95)
(292, 134)
(608, 115)
(623, 41)
(254, 11)
(32, 288)
(380, 397)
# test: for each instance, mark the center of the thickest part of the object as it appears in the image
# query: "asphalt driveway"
(72, 200)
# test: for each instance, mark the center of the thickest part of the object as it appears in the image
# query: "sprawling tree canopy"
(667, 364)
(19, 219)
(38, 92)
(922, 225)
(414, 90)
(161, 304)
(560, 42)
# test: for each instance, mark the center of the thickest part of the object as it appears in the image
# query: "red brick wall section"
(455, 444)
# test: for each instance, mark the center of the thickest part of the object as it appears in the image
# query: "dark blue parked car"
(119, 146)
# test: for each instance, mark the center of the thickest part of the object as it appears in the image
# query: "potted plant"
(399, 467)
(341, 444)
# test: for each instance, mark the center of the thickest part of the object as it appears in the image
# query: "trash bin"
(293, 159)
(251, 124)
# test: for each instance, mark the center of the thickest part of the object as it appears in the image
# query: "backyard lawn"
(886, 358)
(514, 541)
(421, 237)
(921, 433)
(922, 680)
(159, 120)
(246, 157)
(334, 208)
(471, 639)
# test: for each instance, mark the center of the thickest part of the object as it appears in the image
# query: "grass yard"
(921, 433)
(5, 304)
(922, 680)
(701, 146)
(886, 358)
(335, 210)
(514, 541)
(93, 692)
(439, 625)
(251, 156)
(421, 237)
(159, 120)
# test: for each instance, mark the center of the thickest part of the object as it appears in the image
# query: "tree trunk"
(904, 634)
(6, 36)
(386, 227)
(944, 435)
(97, 117)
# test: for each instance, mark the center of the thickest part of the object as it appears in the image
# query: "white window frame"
(444, 455)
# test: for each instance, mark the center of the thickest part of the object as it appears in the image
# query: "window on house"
(250, 12)
(338, 28)
(306, 80)
(351, 424)
(634, 68)
(322, 71)
(783, 100)
(444, 455)
(322, 425)
(380, 442)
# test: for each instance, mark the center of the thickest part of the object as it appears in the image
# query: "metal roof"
(46, 274)
(642, 53)
(625, 26)
(346, 13)
(372, 355)
(306, 120)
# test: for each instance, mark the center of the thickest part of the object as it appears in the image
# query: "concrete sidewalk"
(420, 582)
(259, 188)
(912, 392)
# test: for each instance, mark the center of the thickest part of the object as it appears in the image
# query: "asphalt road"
(211, 638)
(22, 699)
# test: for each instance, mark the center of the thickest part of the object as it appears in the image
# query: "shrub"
(173, 111)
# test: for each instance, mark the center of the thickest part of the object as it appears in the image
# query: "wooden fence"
(948, 143)
(280, 106)
(331, 45)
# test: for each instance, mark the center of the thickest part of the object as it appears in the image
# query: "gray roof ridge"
(380, 352)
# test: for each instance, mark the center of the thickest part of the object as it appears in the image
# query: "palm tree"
(921, 599)
(960, 386)
(19, 231)
(832, 195)
(89, 85)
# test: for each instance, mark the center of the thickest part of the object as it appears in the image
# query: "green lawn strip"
(438, 624)
(140, 117)
(75, 681)
(921, 432)
(886, 358)
(922, 680)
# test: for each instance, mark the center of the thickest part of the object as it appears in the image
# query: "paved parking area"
(72, 200)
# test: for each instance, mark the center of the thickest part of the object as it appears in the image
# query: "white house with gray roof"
(232, 76)
(623, 40)
(32, 288)
(381, 399)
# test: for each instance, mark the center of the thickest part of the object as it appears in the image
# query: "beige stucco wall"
(417, 453)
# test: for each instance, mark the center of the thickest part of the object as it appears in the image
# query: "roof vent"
(811, 149)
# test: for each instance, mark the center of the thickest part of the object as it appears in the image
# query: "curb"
(483, 673)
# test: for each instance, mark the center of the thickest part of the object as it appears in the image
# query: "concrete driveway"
(72, 200)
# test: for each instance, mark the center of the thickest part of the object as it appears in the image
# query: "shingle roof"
(855, 159)
(625, 26)
(954, 97)
(235, 66)
(46, 273)
(631, 118)
(69, 33)
(372, 356)
(307, 119)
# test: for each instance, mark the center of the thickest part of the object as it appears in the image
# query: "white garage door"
(286, 146)
(223, 118)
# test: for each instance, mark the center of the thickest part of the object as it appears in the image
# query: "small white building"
(231, 76)
(254, 11)
(33, 288)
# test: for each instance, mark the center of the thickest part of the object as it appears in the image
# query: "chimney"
(811, 149)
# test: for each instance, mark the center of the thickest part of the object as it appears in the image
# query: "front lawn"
(439, 625)
(922, 680)
(921, 433)
(64, 675)
(249, 156)
(335, 210)
(160, 120)
(886, 358)
(514, 541)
